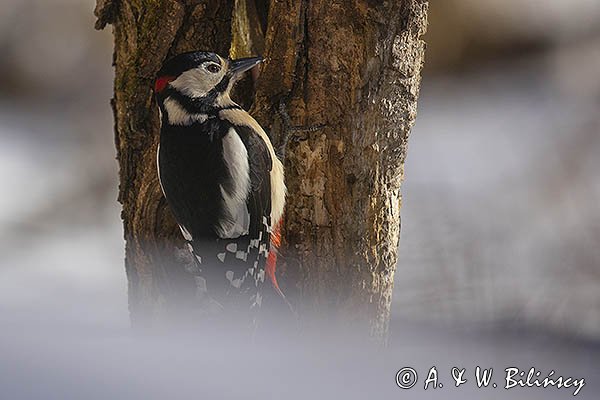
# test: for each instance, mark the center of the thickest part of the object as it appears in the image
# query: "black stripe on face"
(221, 86)
(202, 105)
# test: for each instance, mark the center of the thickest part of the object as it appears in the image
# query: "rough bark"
(349, 72)
(353, 69)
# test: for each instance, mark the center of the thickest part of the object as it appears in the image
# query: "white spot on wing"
(263, 248)
(229, 275)
(231, 247)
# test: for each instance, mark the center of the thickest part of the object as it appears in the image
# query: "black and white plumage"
(220, 175)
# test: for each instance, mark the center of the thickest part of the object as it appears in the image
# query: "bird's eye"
(214, 68)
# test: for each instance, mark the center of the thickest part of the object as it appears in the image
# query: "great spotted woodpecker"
(220, 176)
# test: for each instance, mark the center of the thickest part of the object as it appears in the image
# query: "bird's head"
(201, 77)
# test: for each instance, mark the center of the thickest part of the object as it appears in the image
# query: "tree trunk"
(351, 69)
(341, 80)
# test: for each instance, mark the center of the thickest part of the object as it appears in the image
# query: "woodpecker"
(220, 176)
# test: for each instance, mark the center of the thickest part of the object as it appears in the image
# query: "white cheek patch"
(235, 221)
(197, 82)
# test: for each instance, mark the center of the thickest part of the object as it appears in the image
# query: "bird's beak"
(241, 65)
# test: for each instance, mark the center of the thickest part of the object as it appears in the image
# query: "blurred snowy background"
(500, 246)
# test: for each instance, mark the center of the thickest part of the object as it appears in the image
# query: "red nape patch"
(162, 82)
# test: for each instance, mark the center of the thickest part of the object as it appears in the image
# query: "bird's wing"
(238, 268)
